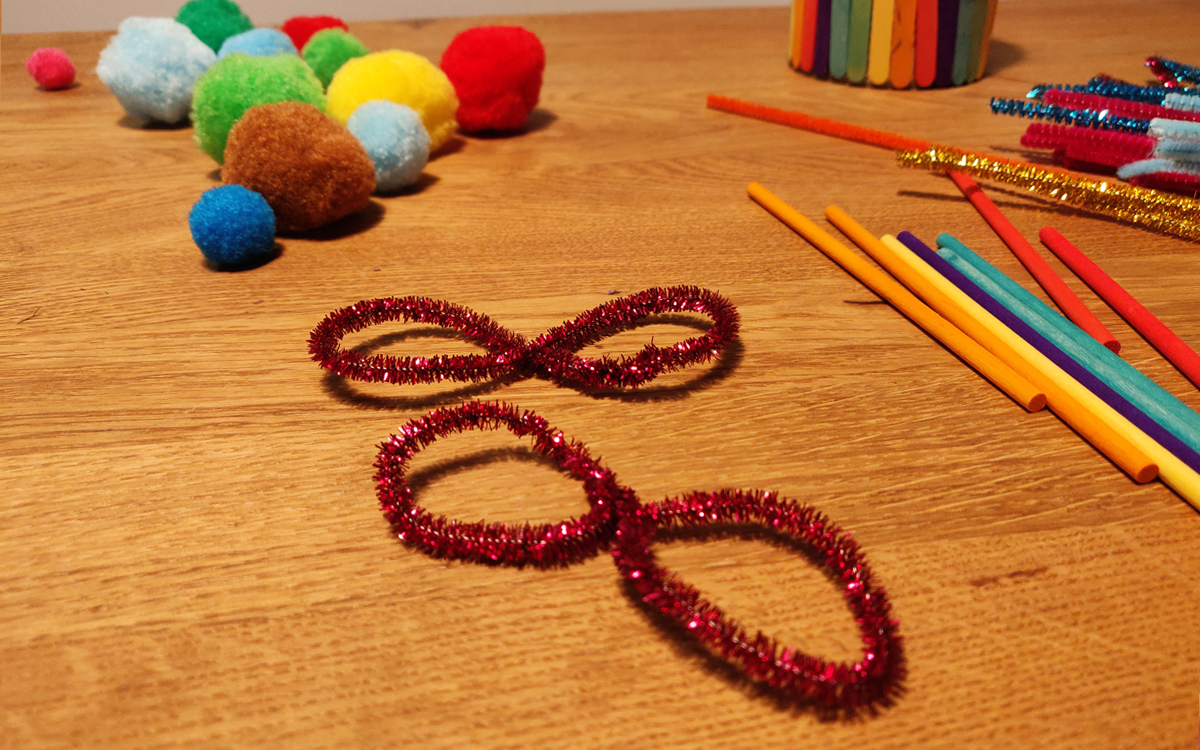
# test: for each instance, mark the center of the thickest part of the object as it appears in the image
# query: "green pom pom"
(213, 21)
(238, 82)
(329, 49)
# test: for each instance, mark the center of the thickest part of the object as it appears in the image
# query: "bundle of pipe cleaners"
(1148, 136)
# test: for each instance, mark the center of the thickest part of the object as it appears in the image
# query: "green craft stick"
(962, 41)
(1116, 373)
(978, 22)
(860, 40)
(839, 37)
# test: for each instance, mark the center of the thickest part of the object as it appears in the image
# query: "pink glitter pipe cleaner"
(551, 355)
(618, 520)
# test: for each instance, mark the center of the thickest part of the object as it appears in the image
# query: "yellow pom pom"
(401, 77)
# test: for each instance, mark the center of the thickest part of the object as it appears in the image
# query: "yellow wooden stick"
(1098, 428)
(1174, 473)
(1020, 389)
(880, 55)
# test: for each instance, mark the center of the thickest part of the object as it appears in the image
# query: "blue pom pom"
(395, 139)
(233, 226)
(151, 66)
(260, 42)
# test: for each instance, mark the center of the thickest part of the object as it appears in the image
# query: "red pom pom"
(301, 28)
(51, 68)
(497, 74)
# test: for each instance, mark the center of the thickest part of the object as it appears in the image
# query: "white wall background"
(26, 16)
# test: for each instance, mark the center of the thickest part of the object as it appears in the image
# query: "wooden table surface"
(193, 554)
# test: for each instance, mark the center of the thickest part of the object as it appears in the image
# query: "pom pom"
(51, 68)
(329, 49)
(306, 164)
(497, 74)
(213, 21)
(151, 66)
(395, 139)
(261, 42)
(239, 82)
(401, 77)
(301, 28)
(233, 226)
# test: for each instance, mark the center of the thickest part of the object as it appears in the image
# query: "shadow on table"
(689, 648)
(427, 475)
(1002, 54)
(349, 392)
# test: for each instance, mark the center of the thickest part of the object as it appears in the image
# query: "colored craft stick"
(936, 300)
(1070, 367)
(815, 124)
(1156, 332)
(858, 41)
(947, 36)
(926, 44)
(1175, 473)
(795, 33)
(1035, 263)
(978, 25)
(985, 46)
(839, 38)
(821, 39)
(808, 31)
(882, 16)
(984, 362)
(1118, 374)
(962, 41)
(904, 23)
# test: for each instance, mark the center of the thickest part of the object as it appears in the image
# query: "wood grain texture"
(193, 556)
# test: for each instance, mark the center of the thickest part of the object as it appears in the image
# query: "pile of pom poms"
(306, 120)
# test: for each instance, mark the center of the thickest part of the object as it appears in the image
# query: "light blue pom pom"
(261, 42)
(151, 65)
(395, 139)
(233, 226)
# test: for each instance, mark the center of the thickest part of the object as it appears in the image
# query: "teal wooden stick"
(839, 37)
(860, 38)
(962, 42)
(1116, 373)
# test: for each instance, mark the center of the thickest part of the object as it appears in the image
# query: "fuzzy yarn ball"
(51, 68)
(401, 77)
(329, 49)
(239, 82)
(395, 139)
(306, 164)
(497, 74)
(301, 28)
(151, 65)
(233, 226)
(261, 42)
(213, 21)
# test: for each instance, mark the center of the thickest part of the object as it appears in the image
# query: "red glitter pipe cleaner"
(1122, 107)
(1088, 149)
(617, 519)
(551, 355)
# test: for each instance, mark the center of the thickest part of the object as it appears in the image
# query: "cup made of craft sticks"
(898, 43)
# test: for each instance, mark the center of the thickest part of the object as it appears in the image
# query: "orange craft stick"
(984, 362)
(1101, 430)
(1058, 290)
(903, 37)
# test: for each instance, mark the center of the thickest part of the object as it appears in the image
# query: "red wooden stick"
(1058, 290)
(1164, 339)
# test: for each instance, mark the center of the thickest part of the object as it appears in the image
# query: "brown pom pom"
(308, 166)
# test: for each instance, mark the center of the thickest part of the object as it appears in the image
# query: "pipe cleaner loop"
(547, 545)
(551, 355)
(618, 519)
